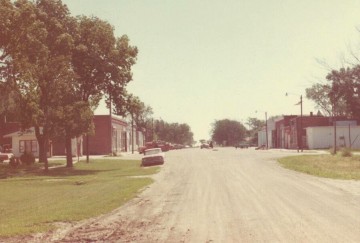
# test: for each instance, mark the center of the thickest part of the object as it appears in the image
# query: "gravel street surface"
(227, 195)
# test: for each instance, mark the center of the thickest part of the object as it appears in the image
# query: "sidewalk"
(305, 151)
(124, 155)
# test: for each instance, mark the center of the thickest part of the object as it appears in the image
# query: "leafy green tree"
(133, 107)
(143, 117)
(36, 55)
(255, 125)
(139, 112)
(345, 89)
(54, 63)
(9, 98)
(229, 131)
(202, 140)
(173, 132)
(102, 63)
(320, 94)
(185, 136)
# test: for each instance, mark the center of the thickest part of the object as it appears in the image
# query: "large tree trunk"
(87, 148)
(68, 147)
(43, 146)
(132, 133)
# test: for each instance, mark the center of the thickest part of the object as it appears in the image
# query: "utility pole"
(299, 130)
(334, 121)
(132, 133)
(301, 118)
(266, 130)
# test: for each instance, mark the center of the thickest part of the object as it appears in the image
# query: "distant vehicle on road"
(242, 145)
(178, 146)
(204, 145)
(153, 156)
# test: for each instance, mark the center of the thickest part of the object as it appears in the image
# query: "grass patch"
(31, 200)
(329, 166)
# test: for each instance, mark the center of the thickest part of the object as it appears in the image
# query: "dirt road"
(228, 195)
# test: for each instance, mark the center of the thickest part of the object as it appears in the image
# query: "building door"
(123, 142)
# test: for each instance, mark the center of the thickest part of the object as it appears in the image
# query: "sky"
(201, 61)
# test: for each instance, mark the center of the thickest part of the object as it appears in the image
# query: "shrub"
(14, 162)
(27, 158)
(346, 152)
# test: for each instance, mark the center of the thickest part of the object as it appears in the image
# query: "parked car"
(5, 157)
(155, 144)
(204, 145)
(242, 145)
(153, 156)
(178, 146)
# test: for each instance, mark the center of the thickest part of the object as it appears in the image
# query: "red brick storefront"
(110, 136)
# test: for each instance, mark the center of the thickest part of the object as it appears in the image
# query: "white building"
(323, 137)
(25, 141)
(270, 128)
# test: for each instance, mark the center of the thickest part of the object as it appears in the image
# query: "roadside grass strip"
(31, 201)
(329, 166)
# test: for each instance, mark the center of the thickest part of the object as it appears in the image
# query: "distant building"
(282, 134)
(324, 137)
(24, 141)
(294, 132)
(112, 135)
(271, 133)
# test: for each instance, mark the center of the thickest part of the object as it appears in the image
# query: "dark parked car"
(204, 145)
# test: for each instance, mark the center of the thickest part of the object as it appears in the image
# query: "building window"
(22, 146)
(29, 146)
(34, 146)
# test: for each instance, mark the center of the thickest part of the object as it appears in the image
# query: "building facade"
(113, 135)
(24, 141)
(282, 132)
(271, 133)
(324, 137)
(295, 132)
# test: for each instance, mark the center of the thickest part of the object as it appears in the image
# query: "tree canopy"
(255, 125)
(55, 68)
(36, 62)
(228, 132)
(340, 95)
(172, 132)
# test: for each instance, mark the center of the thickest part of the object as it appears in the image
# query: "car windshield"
(152, 151)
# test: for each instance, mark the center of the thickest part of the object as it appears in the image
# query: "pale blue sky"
(201, 61)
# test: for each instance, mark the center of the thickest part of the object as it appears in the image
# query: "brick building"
(282, 132)
(112, 135)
